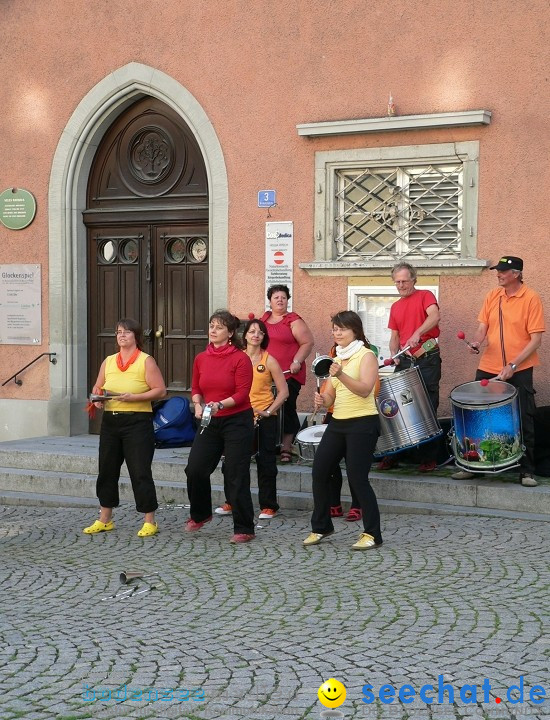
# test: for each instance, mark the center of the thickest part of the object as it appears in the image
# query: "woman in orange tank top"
(265, 405)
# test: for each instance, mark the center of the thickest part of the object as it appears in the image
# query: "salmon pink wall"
(259, 68)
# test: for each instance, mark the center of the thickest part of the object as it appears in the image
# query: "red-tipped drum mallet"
(391, 360)
(461, 336)
(484, 382)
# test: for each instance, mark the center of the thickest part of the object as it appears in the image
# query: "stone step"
(68, 466)
(294, 489)
(288, 501)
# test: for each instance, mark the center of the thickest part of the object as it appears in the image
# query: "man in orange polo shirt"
(511, 352)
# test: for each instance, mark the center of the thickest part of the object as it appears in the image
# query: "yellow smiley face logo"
(332, 693)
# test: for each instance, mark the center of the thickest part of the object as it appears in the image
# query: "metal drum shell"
(308, 440)
(494, 410)
(407, 418)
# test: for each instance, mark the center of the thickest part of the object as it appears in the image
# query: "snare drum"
(308, 440)
(487, 426)
(407, 418)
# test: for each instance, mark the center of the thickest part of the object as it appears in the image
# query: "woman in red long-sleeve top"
(222, 377)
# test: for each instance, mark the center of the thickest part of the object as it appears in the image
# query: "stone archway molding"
(67, 234)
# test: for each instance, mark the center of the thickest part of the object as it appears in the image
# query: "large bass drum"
(407, 418)
(487, 426)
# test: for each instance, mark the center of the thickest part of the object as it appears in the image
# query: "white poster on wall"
(373, 305)
(279, 255)
(20, 305)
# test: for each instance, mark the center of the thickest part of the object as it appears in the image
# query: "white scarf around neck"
(351, 349)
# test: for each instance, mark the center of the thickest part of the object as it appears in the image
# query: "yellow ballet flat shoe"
(148, 529)
(98, 527)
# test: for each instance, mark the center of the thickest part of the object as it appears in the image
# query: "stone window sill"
(375, 268)
(467, 118)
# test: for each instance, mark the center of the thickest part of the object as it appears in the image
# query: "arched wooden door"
(147, 230)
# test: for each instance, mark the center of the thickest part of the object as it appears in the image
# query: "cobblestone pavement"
(255, 629)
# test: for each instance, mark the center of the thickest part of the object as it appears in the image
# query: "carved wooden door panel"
(147, 220)
(120, 285)
(181, 294)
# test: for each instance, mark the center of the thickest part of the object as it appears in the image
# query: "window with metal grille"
(386, 213)
(377, 206)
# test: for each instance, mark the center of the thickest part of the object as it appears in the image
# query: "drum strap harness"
(503, 351)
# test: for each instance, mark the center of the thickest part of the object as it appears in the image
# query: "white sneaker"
(224, 509)
(463, 475)
(528, 480)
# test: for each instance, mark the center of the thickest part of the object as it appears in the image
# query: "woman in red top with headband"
(290, 343)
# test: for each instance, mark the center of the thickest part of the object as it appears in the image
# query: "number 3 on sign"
(266, 198)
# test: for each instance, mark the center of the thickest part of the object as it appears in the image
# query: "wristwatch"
(513, 366)
(220, 405)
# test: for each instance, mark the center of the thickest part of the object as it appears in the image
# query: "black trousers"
(127, 437)
(337, 481)
(291, 422)
(429, 366)
(266, 462)
(265, 452)
(523, 381)
(230, 436)
(355, 441)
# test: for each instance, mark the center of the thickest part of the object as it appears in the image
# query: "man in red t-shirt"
(414, 322)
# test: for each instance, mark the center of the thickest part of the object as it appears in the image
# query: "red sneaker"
(387, 463)
(336, 511)
(192, 526)
(241, 538)
(224, 509)
(428, 466)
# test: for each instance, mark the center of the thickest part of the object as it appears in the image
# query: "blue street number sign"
(267, 198)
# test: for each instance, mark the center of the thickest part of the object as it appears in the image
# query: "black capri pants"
(127, 436)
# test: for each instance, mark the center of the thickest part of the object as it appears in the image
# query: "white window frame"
(326, 165)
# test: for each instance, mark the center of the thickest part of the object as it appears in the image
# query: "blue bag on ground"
(173, 423)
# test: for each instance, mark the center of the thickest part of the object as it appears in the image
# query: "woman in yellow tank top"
(351, 434)
(266, 372)
(127, 427)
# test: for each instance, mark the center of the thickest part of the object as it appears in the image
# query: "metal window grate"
(389, 213)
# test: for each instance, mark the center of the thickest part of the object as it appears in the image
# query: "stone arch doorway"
(71, 167)
(147, 240)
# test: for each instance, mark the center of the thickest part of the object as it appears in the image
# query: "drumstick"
(391, 360)
(461, 336)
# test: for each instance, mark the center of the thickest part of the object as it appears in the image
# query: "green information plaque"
(17, 208)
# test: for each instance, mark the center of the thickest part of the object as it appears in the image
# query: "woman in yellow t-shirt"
(127, 427)
(351, 434)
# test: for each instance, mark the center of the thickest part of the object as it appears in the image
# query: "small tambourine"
(321, 366)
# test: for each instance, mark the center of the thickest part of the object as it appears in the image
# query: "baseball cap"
(508, 262)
